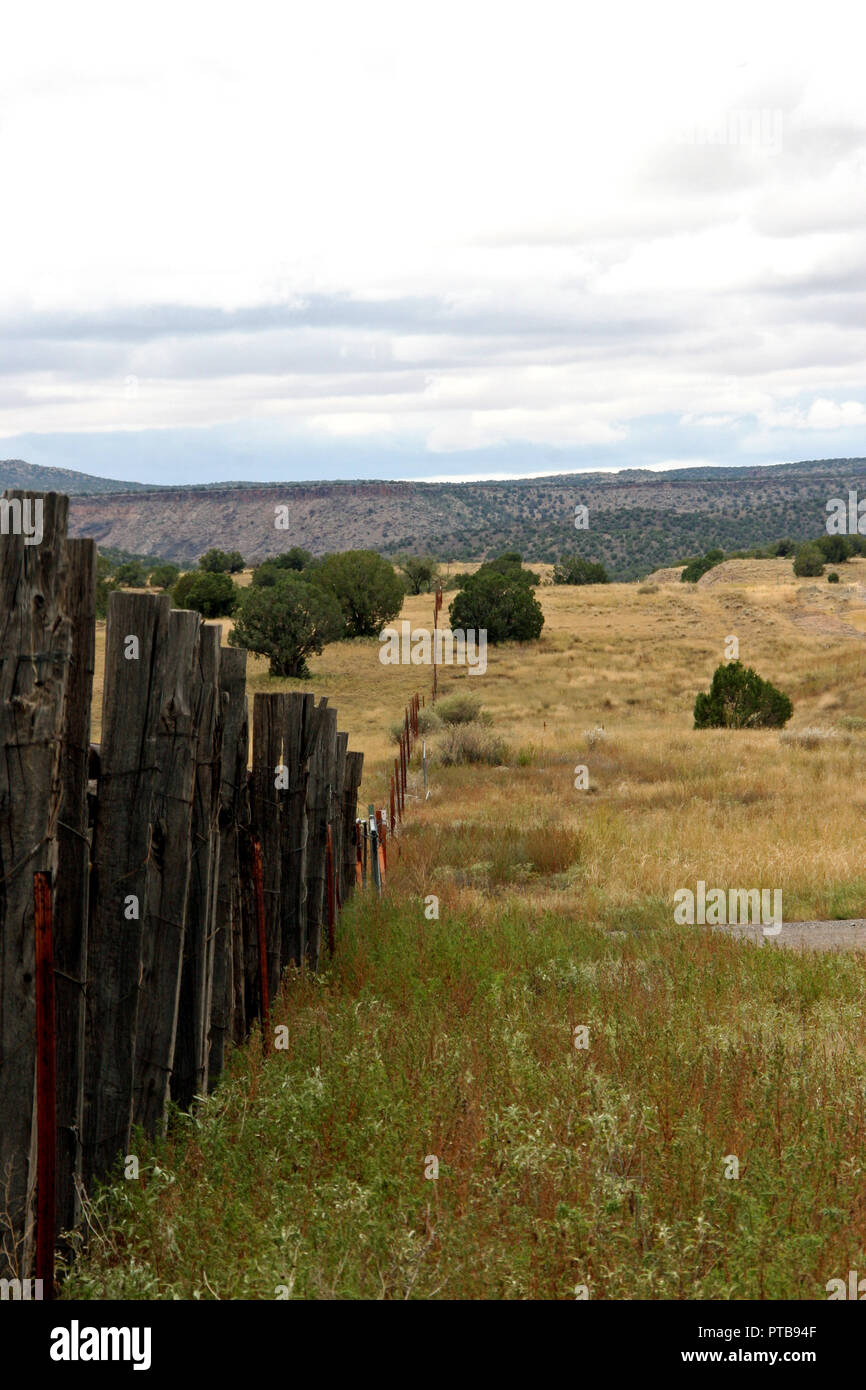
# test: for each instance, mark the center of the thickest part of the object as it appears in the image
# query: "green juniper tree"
(287, 621)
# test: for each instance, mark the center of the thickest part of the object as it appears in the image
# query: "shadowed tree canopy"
(164, 576)
(131, 574)
(573, 569)
(510, 564)
(739, 698)
(287, 621)
(809, 561)
(419, 571)
(212, 595)
(271, 568)
(501, 604)
(222, 562)
(364, 585)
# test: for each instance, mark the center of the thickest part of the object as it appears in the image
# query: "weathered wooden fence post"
(337, 814)
(319, 795)
(168, 873)
(189, 1070)
(252, 977)
(304, 723)
(330, 891)
(35, 647)
(270, 779)
(351, 783)
(264, 989)
(135, 657)
(241, 1011)
(46, 1085)
(71, 888)
(153, 949)
(233, 675)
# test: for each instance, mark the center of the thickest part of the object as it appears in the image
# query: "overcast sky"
(430, 240)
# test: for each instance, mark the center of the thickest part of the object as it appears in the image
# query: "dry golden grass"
(666, 805)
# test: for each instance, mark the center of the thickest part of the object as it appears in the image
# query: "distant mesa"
(640, 520)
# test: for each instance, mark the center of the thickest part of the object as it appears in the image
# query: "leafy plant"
(503, 606)
(288, 622)
(164, 576)
(573, 569)
(471, 743)
(739, 698)
(835, 549)
(419, 571)
(809, 561)
(699, 566)
(105, 583)
(428, 723)
(460, 708)
(131, 575)
(222, 562)
(267, 573)
(212, 595)
(510, 564)
(296, 559)
(364, 585)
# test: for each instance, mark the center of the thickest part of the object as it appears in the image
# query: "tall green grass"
(559, 1166)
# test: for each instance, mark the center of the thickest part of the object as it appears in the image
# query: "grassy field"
(453, 1038)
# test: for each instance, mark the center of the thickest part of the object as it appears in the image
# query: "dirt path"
(812, 936)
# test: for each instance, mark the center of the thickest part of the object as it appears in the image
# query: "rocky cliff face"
(637, 521)
(180, 525)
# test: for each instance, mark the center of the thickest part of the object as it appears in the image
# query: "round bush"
(460, 708)
(211, 594)
(506, 609)
(808, 562)
(287, 622)
(428, 723)
(364, 585)
(471, 743)
(738, 698)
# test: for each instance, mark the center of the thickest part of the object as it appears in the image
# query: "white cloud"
(484, 429)
(821, 415)
(709, 422)
(351, 423)
(827, 415)
(485, 221)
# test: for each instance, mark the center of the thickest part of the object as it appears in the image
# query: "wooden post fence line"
(351, 784)
(386, 834)
(375, 862)
(332, 892)
(153, 890)
(46, 1085)
(437, 608)
(409, 735)
(73, 871)
(261, 933)
(35, 664)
